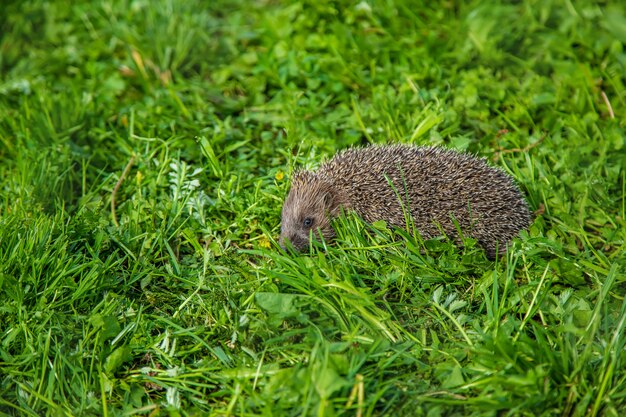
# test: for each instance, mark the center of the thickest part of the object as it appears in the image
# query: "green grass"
(146, 148)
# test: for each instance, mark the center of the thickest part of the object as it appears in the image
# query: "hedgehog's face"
(307, 211)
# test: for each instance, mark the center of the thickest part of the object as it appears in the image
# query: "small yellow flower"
(265, 243)
(280, 175)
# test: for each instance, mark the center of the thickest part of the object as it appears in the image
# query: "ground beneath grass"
(146, 148)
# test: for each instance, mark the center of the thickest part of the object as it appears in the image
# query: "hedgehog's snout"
(283, 241)
(293, 241)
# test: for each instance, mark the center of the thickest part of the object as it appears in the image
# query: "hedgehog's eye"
(308, 222)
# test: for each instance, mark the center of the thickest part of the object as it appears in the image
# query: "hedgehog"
(443, 190)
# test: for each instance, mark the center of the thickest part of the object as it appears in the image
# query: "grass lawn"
(145, 151)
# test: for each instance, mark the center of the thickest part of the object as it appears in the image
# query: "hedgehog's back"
(436, 186)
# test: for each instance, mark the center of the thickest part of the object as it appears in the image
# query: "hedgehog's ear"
(330, 198)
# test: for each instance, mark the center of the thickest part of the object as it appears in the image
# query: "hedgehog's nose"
(283, 241)
(292, 242)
